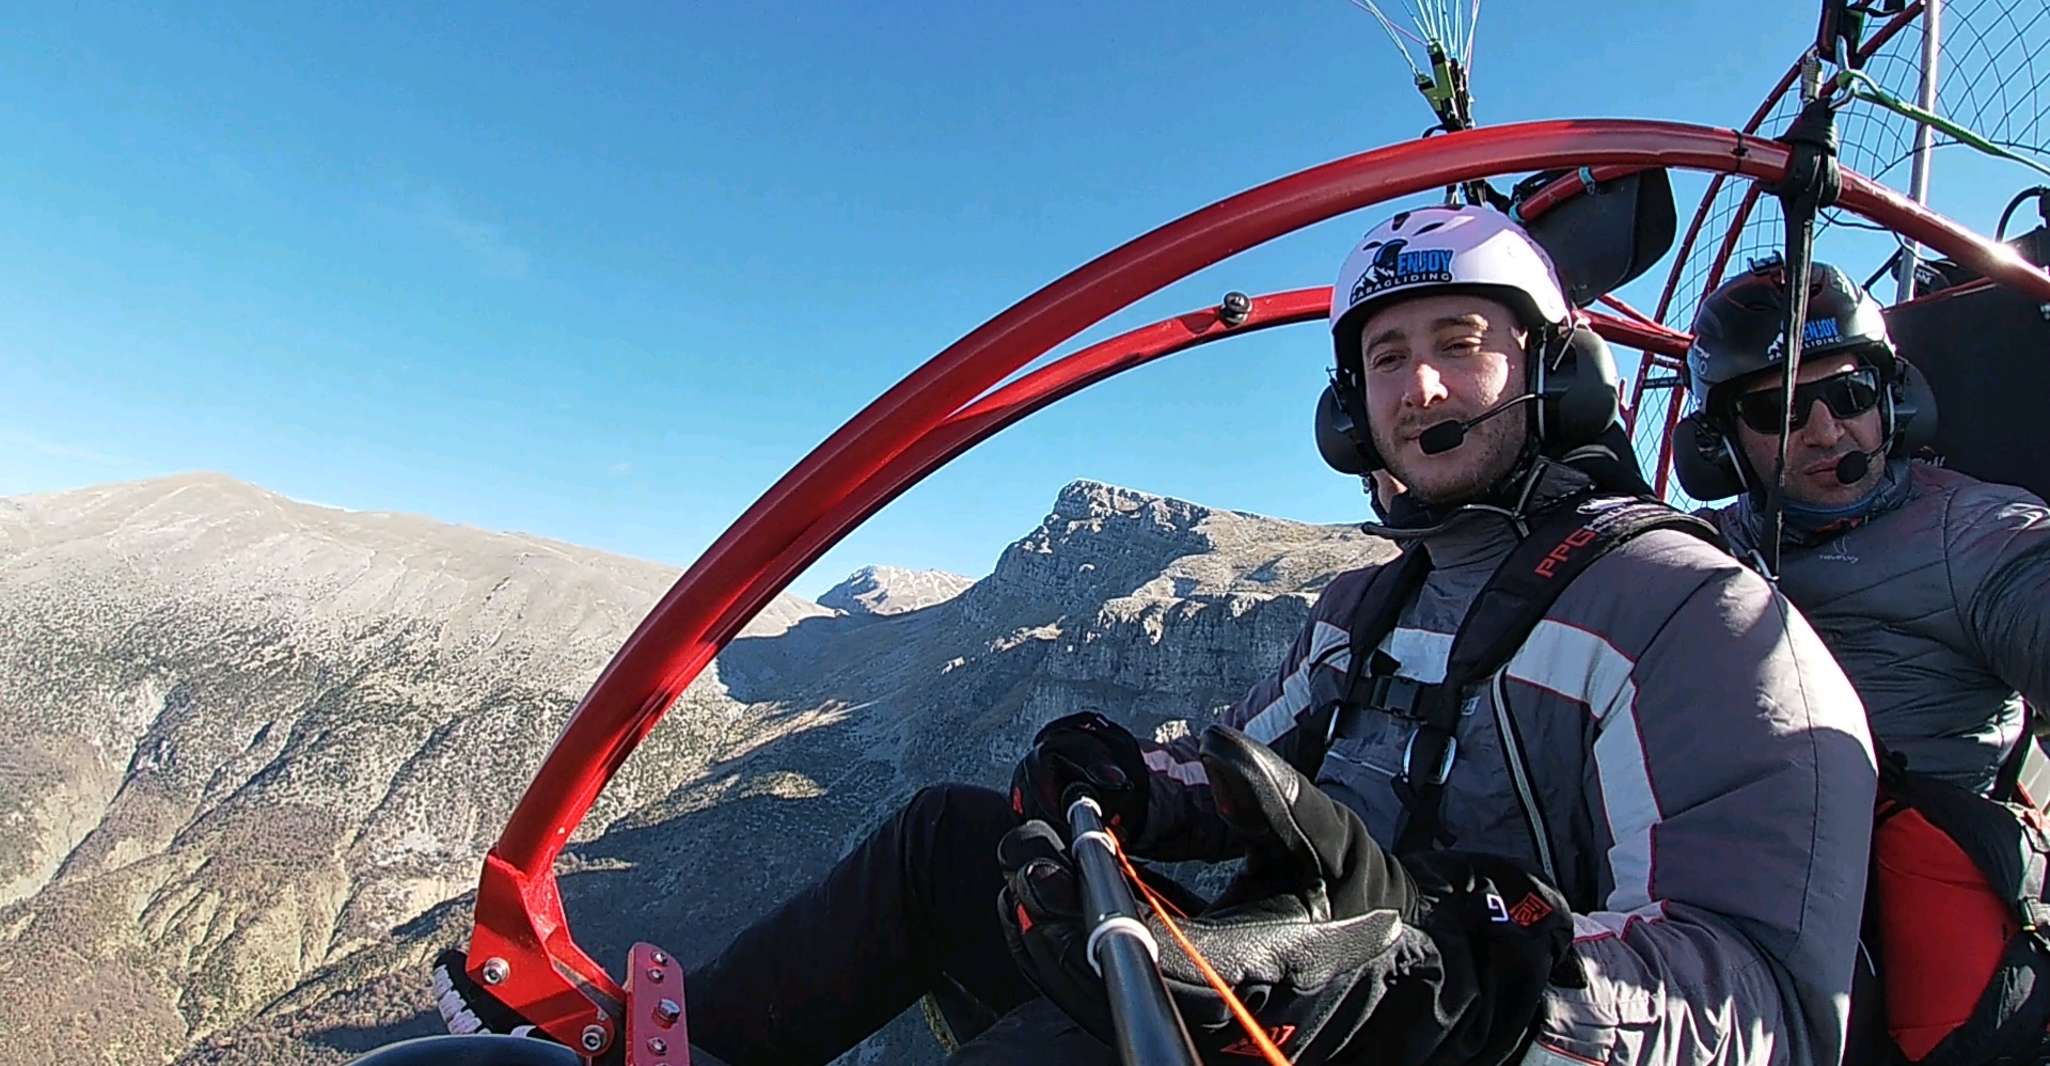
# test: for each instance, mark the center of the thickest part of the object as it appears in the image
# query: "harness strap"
(1392, 587)
(1563, 542)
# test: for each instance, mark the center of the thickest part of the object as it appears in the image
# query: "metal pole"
(1149, 1029)
(1925, 137)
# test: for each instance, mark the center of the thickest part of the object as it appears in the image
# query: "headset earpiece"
(1342, 437)
(1913, 409)
(1703, 461)
(1579, 398)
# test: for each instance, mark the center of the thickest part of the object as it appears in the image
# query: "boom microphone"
(1853, 467)
(1451, 433)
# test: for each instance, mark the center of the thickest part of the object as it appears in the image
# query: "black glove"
(1342, 953)
(1083, 749)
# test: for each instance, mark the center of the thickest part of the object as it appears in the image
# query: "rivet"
(496, 970)
(593, 1037)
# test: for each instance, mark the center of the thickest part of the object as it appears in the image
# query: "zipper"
(1512, 753)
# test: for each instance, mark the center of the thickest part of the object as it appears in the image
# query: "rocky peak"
(888, 590)
(1096, 503)
(1101, 542)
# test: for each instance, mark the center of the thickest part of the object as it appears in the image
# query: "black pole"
(1149, 1029)
(1812, 182)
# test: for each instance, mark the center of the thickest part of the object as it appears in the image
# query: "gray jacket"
(1938, 608)
(1695, 776)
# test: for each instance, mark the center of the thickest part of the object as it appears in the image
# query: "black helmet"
(1741, 330)
(1741, 327)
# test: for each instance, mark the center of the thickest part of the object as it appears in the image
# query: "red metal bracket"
(527, 959)
(656, 1033)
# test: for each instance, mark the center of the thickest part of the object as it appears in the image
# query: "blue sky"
(603, 277)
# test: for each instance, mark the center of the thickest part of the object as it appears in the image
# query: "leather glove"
(1083, 749)
(1342, 953)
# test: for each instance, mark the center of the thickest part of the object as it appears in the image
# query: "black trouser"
(915, 904)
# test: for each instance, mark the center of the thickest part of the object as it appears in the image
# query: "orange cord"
(1161, 907)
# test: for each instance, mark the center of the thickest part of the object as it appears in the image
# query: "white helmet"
(1474, 250)
(1458, 249)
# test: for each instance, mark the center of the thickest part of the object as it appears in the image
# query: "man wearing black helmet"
(1931, 588)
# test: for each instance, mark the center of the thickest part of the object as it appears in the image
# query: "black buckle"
(1389, 694)
(1398, 696)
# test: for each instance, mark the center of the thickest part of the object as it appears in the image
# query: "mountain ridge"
(280, 736)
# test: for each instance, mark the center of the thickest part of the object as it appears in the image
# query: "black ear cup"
(1594, 400)
(1914, 409)
(1342, 437)
(1702, 460)
(1578, 394)
(1574, 376)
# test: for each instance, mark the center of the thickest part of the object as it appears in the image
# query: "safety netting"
(1992, 56)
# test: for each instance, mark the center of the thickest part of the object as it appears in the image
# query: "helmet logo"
(1394, 266)
(1813, 332)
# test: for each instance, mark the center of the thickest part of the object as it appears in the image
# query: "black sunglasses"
(1848, 395)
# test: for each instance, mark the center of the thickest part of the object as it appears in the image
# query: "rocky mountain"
(251, 751)
(885, 590)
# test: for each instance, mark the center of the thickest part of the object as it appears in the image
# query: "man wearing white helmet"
(1668, 757)
(1638, 838)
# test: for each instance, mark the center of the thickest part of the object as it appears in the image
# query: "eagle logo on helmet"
(1394, 265)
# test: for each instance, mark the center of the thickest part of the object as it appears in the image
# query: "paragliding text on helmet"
(1394, 266)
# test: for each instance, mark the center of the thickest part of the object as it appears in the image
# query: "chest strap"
(1392, 587)
(1564, 541)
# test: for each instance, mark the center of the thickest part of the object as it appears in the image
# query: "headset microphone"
(1451, 433)
(1852, 468)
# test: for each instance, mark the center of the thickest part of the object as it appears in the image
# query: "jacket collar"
(1482, 531)
(1802, 530)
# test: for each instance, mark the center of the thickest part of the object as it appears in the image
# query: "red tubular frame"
(1568, 186)
(1642, 334)
(928, 418)
(1616, 304)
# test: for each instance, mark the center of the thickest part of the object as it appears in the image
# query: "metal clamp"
(1128, 927)
(1445, 761)
(1100, 838)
